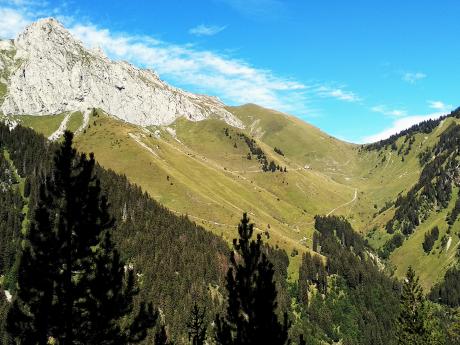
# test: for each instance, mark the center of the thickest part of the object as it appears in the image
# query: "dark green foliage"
(338, 227)
(7, 177)
(394, 242)
(251, 311)
(302, 340)
(255, 151)
(27, 187)
(448, 291)
(177, 261)
(196, 326)
(455, 212)
(280, 260)
(412, 328)
(161, 337)
(422, 127)
(425, 156)
(362, 303)
(430, 238)
(434, 188)
(72, 285)
(312, 272)
(336, 316)
(11, 218)
(406, 146)
(315, 241)
(278, 151)
(450, 320)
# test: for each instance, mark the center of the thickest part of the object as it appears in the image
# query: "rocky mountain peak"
(53, 73)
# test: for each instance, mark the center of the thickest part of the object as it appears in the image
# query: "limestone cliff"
(45, 70)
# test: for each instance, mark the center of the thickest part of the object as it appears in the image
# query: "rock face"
(52, 73)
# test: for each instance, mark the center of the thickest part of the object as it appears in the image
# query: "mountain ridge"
(51, 72)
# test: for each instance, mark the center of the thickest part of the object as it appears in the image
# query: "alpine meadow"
(219, 211)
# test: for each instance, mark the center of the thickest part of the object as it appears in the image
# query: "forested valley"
(142, 274)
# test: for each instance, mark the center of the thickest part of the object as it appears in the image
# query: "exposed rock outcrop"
(52, 73)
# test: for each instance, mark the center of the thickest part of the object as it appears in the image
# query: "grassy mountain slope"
(431, 267)
(202, 169)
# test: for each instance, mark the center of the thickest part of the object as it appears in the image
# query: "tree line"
(426, 127)
(434, 187)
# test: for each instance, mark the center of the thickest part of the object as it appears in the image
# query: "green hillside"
(207, 170)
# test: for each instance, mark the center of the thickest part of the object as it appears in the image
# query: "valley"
(196, 169)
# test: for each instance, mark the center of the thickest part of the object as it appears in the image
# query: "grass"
(193, 168)
(430, 267)
(45, 124)
(211, 195)
(76, 120)
(3, 90)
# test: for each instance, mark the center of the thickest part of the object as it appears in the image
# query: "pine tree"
(251, 312)
(453, 331)
(161, 337)
(27, 187)
(73, 287)
(196, 326)
(315, 241)
(302, 340)
(411, 322)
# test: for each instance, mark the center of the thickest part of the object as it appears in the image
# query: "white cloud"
(413, 78)
(234, 80)
(12, 22)
(389, 112)
(338, 93)
(205, 30)
(400, 125)
(440, 106)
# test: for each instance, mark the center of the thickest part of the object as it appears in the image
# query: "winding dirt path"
(60, 131)
(343, 205)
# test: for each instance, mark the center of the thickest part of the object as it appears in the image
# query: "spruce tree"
(251, 312)
(411, 322)
(161, 337)
(73, 287)
(196, 326)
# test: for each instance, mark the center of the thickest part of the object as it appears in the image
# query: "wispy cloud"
(381, 109)
(440, 106)
(413, 77)
(337, 93)
(206, 30)
(234, 80)
(400, 125)
(12, 23)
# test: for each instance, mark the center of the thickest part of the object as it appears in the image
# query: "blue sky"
(359, 70)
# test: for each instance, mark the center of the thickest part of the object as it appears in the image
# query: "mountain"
(50, 72)
(199, 157)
